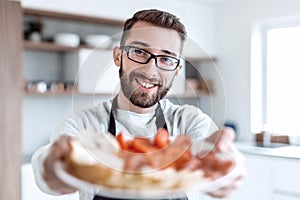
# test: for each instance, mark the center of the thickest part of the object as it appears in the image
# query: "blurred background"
(240, 62)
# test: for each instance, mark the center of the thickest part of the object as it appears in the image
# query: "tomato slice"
(124, 144)
(182, 161)
(143, 145)
(161, 138)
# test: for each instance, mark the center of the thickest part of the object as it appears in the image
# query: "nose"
(152, 62)
(150, 68)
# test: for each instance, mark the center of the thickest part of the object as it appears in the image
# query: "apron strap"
(112, 122)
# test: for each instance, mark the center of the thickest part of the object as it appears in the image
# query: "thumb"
(225, 140)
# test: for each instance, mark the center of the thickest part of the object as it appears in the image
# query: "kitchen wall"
(235, 20)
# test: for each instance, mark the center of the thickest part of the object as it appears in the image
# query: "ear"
(117, 56)
(178, 69)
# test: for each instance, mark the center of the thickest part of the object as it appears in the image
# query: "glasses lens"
(138, 55)
(167, 63)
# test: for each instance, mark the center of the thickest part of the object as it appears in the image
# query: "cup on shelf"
(30, 86)
(38, 86)
(69, 87)
(41, 86)
(56, 86)
(35, 37)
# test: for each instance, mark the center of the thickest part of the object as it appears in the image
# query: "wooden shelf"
(26, 93)
(47, 46)
(50, 46)
(69, 93)
(73, 17)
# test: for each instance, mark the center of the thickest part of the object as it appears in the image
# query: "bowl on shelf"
(67, 39)
(98, 41)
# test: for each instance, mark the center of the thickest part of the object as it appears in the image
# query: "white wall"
(235, 22)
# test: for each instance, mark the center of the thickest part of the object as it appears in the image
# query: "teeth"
(146, 85)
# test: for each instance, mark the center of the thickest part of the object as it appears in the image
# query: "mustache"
(155, 81)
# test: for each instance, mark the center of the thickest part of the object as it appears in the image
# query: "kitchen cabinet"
(286, 178)
(258, 182)
(269, 178)
(285, 197)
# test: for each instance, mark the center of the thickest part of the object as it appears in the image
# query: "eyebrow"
(147, 45)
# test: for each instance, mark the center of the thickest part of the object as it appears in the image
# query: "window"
(275, 78)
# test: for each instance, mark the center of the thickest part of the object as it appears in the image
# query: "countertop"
(275, 149)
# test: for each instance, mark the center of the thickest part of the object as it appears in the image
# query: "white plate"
(202, 185)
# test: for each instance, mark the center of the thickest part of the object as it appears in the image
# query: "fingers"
(222, 193)
(230, 133)
(58, 152)
(226, 191)
(57, 185)
(61, 147)
(225, 140)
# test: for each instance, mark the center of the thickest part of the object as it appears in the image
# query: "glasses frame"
(127, 49)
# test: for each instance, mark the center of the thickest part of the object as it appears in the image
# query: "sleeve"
(72, 125)
(195, 123)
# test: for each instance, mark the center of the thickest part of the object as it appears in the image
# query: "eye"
(168, 60)
(138, 52)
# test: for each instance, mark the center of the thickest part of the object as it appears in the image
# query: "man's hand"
(223, 141)
(58, 152)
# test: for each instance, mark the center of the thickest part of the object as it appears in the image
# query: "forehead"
(154, 36)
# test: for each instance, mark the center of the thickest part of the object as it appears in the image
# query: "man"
(149, 59)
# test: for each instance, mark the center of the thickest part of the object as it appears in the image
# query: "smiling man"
(148, 59)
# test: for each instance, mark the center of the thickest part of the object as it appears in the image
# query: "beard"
(138, 97)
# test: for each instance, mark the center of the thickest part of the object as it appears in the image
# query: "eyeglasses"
(143, 56)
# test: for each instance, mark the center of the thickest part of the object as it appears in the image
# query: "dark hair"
(158, 18)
